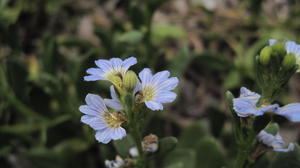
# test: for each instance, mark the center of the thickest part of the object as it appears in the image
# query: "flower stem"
(136, 133)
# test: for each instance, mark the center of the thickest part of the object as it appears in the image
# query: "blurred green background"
(46, 46)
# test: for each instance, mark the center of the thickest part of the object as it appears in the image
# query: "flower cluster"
(128, 93)
(246, 105)
(291, 48)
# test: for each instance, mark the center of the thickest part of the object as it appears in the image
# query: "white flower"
(154, 90)
(245, 105)
(276, 142)
(107, 69)
(117, 163)
(107, 124)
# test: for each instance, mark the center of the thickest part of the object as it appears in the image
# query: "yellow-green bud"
(289, 61)
(265, 55)
(272, 128)
(130, 80)
(279, 49)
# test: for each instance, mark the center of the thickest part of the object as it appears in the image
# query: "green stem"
(245, 148)
(136, 132)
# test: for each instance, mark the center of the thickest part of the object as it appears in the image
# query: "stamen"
(114, 119)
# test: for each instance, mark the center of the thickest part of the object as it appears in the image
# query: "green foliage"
(181, 158)
(210, 154)
(287, 160)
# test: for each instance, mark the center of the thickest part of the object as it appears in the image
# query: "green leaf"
(181, 158)
(162, 32)
(233, 79)
(122, 146)
(287, 160)
(192, 134)
(217, 120)
(131, 37)
(180, 61)
(210, 154)
(229, 97)
(166, 145)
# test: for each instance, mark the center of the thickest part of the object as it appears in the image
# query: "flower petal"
(290, 111)
(166, 97)
(245, 107)
(113, 103)
(160, 76)
(118, 133)
(290, 148)
(105, 65)
(272, 42)
(145, 76)
(85, 109)
(168, 84)
(271, 108)
(129, 62)
(95, 122)
(154, 105)
(116, 105)
(116, 63)
(252, 96)
(95, 102)
(103, 136)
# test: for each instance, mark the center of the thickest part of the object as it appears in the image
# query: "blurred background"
(46, 46)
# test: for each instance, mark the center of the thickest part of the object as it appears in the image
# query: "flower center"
(113, 119)
(147, 93)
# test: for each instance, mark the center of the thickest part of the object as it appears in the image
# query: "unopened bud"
(130, 80)
(272, 128)
(265, 55)
(279, 49)
(289, 61)
(133, 151)
(150, 143)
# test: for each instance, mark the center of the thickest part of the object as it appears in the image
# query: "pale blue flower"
(245, 105)
(109, 68)
(154, 90)
(113, 103)
(290, 111)
(107, 124)
(276, 142)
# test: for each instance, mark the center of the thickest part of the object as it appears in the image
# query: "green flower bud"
(272, 128)
(289, 61)
(279, 49)
(265, 55)
(130, 80)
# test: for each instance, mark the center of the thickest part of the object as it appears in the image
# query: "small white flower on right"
(154, 90)
(276, 142)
